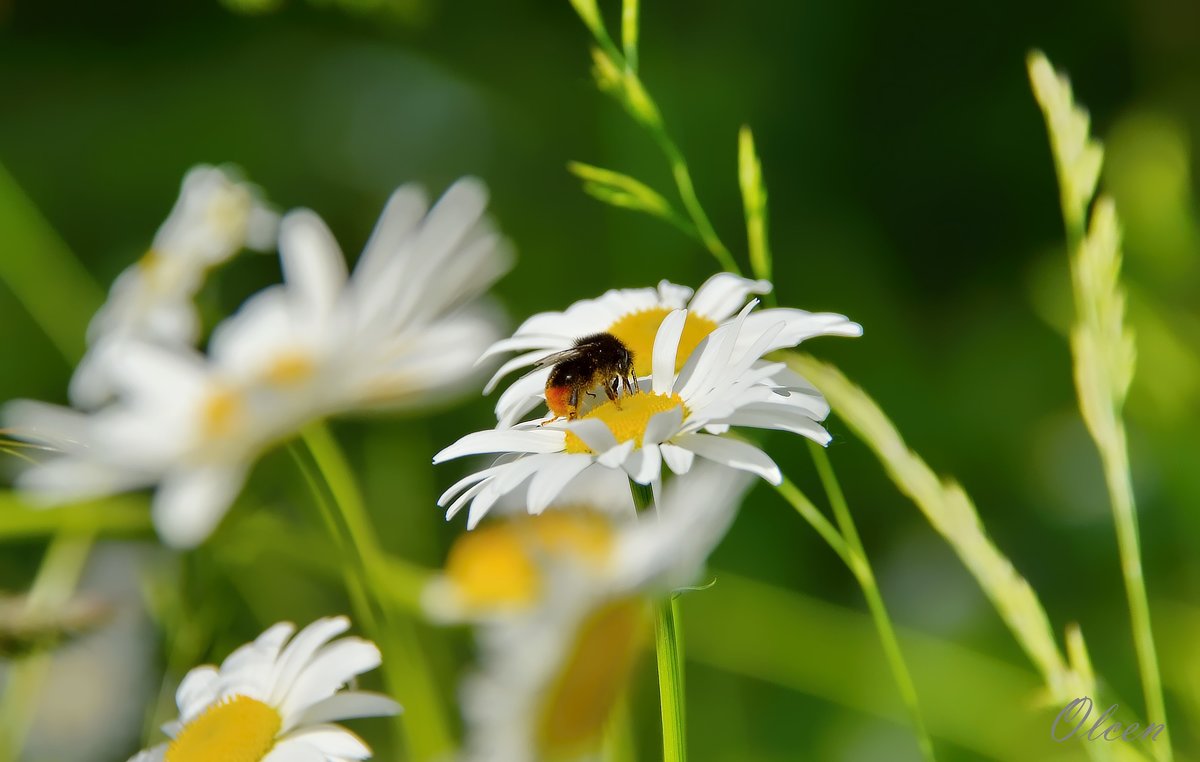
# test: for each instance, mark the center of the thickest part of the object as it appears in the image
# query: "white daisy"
(399, 330)
(274, 701)
(396, 333)
(679, 414)
(633, 315)
(562, 604)
(215, 216)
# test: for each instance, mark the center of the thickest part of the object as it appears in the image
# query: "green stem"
(861, 568)
(1116, 474)
(55, 583)
(367, 577)
(668, 649)
(691, 202)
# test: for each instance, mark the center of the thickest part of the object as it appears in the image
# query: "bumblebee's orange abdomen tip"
(557, 399)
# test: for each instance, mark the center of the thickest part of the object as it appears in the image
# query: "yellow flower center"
(630, 420)
(638, 329)
(289, 368)
(490, 568)
(497, 566)
(593, 676)
(219, 413)
(239, 729)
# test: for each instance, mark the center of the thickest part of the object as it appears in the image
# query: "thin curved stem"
(668, 649)
(367, 577)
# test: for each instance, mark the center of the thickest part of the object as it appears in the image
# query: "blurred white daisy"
(633, 315)
(274, 701)
(680, 413)
(398, 332)
(561, 601)
(215, 216)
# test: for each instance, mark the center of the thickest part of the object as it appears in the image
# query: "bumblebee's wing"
(551, 360)
(557, 357)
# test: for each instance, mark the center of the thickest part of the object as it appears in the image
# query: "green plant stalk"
(629, 33)
(405, 670)
(1114, 455)
(668, 650)
(60, 295)
(42, 272)
(668, 647)
(862, 571)
(56, 579)
(644, 110)
(1120, 490)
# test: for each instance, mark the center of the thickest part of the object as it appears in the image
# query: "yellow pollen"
(638, 329)
(289, 368)
(220, 412)
(630, 421)
(577, 706)
(498, 566)
(240, 729)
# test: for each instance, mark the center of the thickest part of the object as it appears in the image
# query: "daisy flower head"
(561, 605)
(401, 329)
(275, 699)
(633, 315)
(678, 413)
(216, 215)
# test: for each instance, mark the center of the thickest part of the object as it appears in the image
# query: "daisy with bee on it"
(694, 394)
(631, 317)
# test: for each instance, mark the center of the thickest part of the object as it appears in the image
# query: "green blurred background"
(911, 187)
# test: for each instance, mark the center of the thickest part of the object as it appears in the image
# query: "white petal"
(504, 440)
(616, 455)
(520, 361)
(673, 296)
(155, 754)
(330, 669)
(551, 480)
(54, 425)
(666, 347)
(197, 690)
(296, 657)
(732, 453)
(595, 434)
(547, 342)
(330, 740)
(313, 265)
(644, 465)
(724, 294)
(287, 750)
(663, 426)
(400, 217)
(190, 502)
(677, 458)
(348, 705)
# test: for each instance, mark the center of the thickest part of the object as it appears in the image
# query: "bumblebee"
(597, 360)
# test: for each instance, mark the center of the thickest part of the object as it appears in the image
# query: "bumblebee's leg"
(630, 382)
(610, 388)
(573, 405)
(549, 420)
